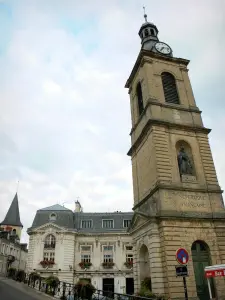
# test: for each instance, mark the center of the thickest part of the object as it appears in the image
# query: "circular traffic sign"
(182, 256)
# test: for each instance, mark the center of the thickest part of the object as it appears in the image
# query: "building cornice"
(163, 123)
(145, 56)
(176, 187)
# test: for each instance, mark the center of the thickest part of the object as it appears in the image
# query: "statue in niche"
(184, 163)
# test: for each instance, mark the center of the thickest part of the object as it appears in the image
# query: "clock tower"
(177, 198)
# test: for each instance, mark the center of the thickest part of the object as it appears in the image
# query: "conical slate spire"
(13, 215)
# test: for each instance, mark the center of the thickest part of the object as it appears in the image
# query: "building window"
(52, 217)
(170, 88)
(129, 248)
(129, 257)
(126, 223)
(107, 254)
(86, 254)
(49, 256)
(49, 242)
(139, 98)
(86, 224)
(108, 248)
(107, 224)
(49, 248)
(152, 31)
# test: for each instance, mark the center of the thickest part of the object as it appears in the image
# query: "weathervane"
(145, 16)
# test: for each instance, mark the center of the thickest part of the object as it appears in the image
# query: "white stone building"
(65, 243)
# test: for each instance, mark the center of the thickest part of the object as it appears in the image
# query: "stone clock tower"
(177, 198)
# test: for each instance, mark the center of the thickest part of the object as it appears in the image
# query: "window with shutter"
(139, 98)
(170, 88)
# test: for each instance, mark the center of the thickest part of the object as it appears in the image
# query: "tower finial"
(17, 186)
(145, 15)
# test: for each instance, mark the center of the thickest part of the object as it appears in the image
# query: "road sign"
(182, 256)
(181, 271)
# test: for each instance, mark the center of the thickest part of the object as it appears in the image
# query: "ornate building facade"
(177, 198)
(12, 252)
(76, 245)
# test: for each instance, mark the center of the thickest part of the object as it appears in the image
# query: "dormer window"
(52, 217)
(86, 224)
(107, 223)
(126, 223)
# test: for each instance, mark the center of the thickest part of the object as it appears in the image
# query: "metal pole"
(209, 286)
(185, 288)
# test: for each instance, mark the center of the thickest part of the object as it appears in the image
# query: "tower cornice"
(163, 123)
(147, 56)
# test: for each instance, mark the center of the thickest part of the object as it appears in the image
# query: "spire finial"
(145, 15)
(17, 186)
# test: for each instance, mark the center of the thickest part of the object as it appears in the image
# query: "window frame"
(104, 220)
(88, 220)
(127, 221)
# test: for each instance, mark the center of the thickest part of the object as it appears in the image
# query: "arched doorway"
(201, 258)
(144, 263)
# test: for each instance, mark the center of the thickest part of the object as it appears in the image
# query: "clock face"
(163, 48)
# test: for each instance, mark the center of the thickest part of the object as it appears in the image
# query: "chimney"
(78, 207)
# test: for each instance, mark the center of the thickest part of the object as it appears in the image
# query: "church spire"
(12, 217)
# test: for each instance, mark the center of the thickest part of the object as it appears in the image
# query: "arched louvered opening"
(139, 98)
(170, 88)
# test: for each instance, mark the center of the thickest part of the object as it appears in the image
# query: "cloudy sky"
(64, 112)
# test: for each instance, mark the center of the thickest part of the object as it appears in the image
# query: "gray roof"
(97, 218)
(56, 207)
(73, 220)
(13, 215)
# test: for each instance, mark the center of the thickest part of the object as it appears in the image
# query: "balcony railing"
(68, 291)
(49, 246)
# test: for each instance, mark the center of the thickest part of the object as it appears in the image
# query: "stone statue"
(184, 163)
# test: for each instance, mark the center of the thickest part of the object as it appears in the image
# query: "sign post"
(182, 258)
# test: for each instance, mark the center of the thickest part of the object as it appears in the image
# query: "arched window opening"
(170, 88)
(146, 32)
(201, 257)
(145, 278)
(140, 98)
(49, 249)
(152, 31)
(185, 159)
(50, 241)
(52, 217)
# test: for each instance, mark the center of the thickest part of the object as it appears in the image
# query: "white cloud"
(65, 116)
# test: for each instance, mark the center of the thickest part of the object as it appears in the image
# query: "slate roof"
(117, 217)
(64, 216)
(56, 207)
(73, 220)
(13, 215)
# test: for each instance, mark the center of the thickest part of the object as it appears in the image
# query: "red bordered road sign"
(182, 256)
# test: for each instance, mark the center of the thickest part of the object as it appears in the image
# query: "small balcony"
(108, 265)
(47, 263)
(49, 246)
